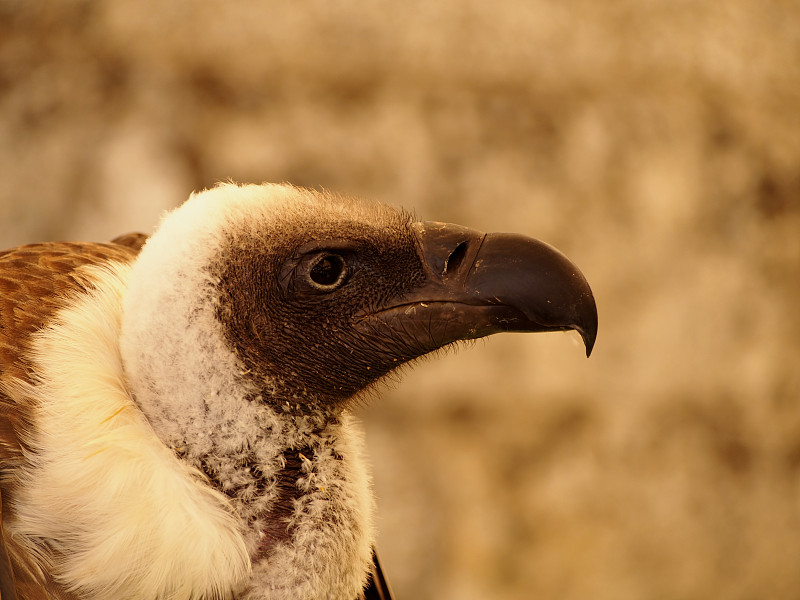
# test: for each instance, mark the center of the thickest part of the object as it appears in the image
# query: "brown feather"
(134, 241)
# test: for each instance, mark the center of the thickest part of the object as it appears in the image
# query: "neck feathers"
(217, 494)
(120, 515)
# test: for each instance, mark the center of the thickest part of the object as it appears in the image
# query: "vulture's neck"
(272, 463)
(266, 452)
(296, 483)
(295, 480)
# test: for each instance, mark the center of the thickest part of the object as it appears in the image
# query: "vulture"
(176, 411)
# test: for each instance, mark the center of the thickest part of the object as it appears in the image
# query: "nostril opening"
(456, 258)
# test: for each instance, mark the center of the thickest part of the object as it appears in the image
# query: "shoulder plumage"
(80, 463)
(35, 281)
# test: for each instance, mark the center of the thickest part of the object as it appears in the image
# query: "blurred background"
(655, 142)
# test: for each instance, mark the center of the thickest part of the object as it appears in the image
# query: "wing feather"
(377, 586)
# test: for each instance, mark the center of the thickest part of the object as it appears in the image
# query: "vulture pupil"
(328, 271)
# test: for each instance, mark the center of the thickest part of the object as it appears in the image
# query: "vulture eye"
(328, 272)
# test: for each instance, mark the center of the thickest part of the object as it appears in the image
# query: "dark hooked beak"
(478, 284)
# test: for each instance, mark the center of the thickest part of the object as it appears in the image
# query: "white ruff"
(125, 518)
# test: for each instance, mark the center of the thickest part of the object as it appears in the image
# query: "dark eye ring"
(328, 272)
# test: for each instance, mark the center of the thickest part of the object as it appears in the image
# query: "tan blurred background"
(657, 143)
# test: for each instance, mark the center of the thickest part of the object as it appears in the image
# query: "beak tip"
(588, 329)
(589, 342)
(589, 337)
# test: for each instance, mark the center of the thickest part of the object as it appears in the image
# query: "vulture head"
(311, 297)
(212, 373)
